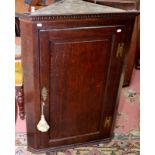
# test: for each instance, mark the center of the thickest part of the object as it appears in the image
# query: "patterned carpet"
(126, 139)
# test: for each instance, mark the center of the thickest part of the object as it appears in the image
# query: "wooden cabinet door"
(80, 70)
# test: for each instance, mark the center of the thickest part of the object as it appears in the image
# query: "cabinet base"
(62, 148)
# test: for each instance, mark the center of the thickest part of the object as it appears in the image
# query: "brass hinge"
(107, 122)
(120, 49)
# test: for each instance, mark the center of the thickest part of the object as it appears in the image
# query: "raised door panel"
(74, 67)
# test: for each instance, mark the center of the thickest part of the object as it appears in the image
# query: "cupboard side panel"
(30, 60)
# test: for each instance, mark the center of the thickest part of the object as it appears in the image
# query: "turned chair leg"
(20, 101)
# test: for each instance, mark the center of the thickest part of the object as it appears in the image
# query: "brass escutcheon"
(44, 93)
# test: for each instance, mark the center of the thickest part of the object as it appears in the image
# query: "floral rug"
(126, 139)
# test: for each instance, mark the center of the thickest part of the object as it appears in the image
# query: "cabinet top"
(70, 7)
(74, 9)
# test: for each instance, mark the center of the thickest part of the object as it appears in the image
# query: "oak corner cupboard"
(73, 55)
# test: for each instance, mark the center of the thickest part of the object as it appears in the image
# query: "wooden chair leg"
(16, 111)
